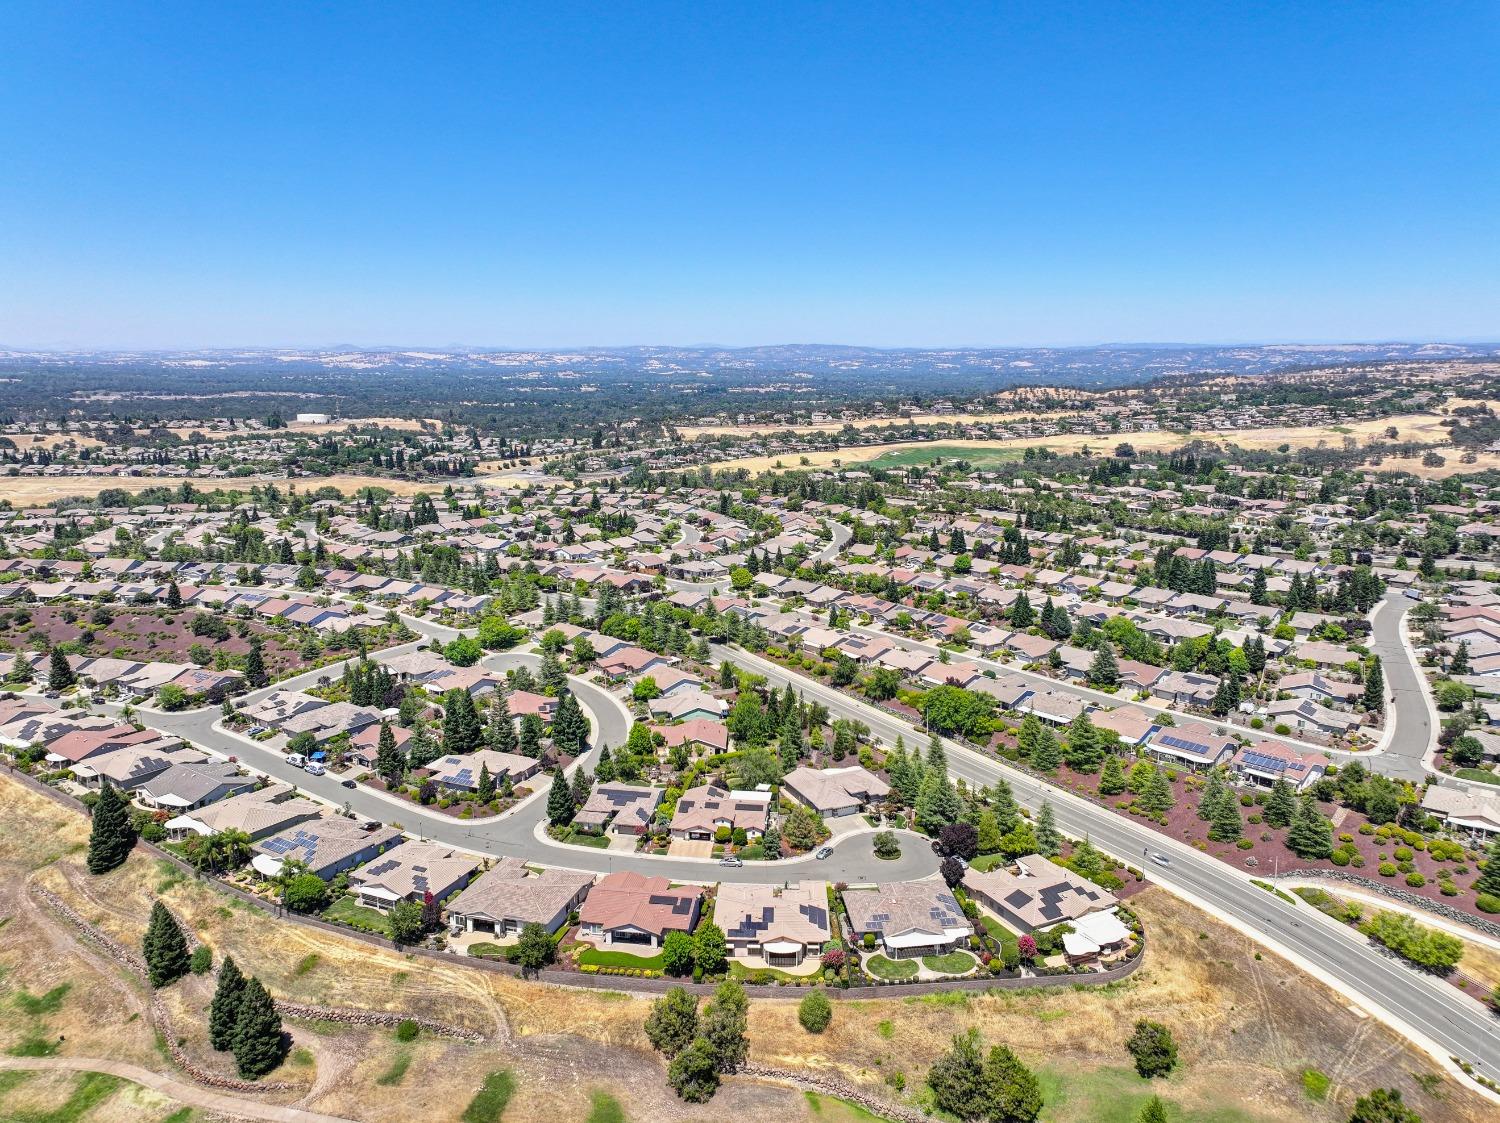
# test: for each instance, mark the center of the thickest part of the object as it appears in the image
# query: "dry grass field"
(51, 441)
(24, 491)
(1247, 1027)
(1421, 427)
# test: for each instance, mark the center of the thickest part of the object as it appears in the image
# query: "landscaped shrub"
(1244, 844)
(1487, 902)
(1415, 880)
(815, 1012)
(1387, 869)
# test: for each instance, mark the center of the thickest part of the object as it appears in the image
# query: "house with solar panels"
(1037, 894)
(908, 918)
(328, 845)
(460, 771)
(618, 809)
(1190, 745)
(1265, 762)
(630, 909)
(411, 871)
(771, 925)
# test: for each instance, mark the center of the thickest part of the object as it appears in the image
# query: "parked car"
(731, 861)
(296, 760)
(822, 852)
(313, 768)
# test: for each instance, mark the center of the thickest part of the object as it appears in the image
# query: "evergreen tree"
(1022, 615)
(1374, 695)
(165, 948)
(1026, 736)
(938, 803)
(1112, 780)
(224, 1011)
(1281, 804)
(582, 785)
(1157, 797)
(255, 666)
(110, 835)
(1003, 803)
(1084, 753)
(1154, 1112)
(560, 807)
(1213, 791)
(1258, 592)
(257, 1032)
(501, 734)
(725, 1020)
(1104, 671)
(570, 728)
(60, 674)
(1048, 839)
(1310, 835)
(174, 596)
(390, 765)
(530, 742)
(1226, 825)
(1459, 664)
(1489, 877)
(485, 789)
(1047, 754)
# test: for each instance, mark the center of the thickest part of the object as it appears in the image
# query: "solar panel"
(1181, 743)
(1265, 762)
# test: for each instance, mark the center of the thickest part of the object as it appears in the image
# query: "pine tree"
(1459, 665)
(1258, 591)
(1026, 736)
(1281, 804)
(165, 948)
(60, 674)
(570, 729)
(110, 835)
(1213, 791)
(1047, 754)
(1157, 798)
(224, 1011)
(560, 807)
(1003, 803)
(1489, 878)
(1226, 825)
(390, 765)
(257, 1032)
(1154, 1112)
(1310, 835)
(1022, 615)
(938, 803)
(174, 596)
(255, 666)
(486, 787)
(1112, 781)
(1104, 671)
(1048, 840)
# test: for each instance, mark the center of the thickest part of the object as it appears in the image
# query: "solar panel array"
(1174, 742)
(1265, 762)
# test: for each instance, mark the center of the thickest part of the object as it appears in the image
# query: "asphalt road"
(1412, 734)
(1458, 1024)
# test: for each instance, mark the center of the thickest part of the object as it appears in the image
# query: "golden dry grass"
(1422, 427)
(32, 491)
(1246, 1026)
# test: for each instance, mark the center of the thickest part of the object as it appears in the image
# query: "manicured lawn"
(954, 963)
(986, 862)
(586, 838)
(738, 970)
(1006, 937)
(883, 968)
(837, 1110)
(488, 1105)
(487, 950)
(1478, 775)
(346, 910)
(620, 959)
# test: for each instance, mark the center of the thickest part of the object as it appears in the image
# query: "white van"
(296, 760)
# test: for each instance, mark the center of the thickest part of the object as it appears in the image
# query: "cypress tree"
(224, 1011)
(389, 763)
(110, 837)
(165, 948)
(1374, 696)
(257, 1032)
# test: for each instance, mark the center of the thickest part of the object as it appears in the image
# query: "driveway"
(689, 848)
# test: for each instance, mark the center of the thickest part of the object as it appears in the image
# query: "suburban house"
(909, 918)
(461, 771)
(633, 909)
(1265, 762)
(1192, 745)
(327, 845)
(506, 898)
(781, 926)
(186, 786)
(1461, 809)
(619, 809)
(696, 733)
(703, 810)
(257, 813)
(834, 791)
(1308, 715)
(410, 872)
(1039, 894)
(688, 704)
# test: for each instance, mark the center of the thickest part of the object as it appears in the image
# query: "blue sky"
(886, 174)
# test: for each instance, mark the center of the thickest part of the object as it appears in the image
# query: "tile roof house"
(834, 791)
(703, 810)
(632, 908)
(696, 732)
(461, 771)
(410, 872)
(1265, 762)
(1477, 812)
(910, 918)
(328, 845)
(1192, 744)
(1038, 895)
(619, 809)
(509, 896)
(782, 926)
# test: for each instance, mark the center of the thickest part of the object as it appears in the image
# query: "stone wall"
(1415, 900)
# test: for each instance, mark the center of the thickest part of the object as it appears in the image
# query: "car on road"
(822, 852)
(296, 760)
(1161, 859)
(313, 768)
(731, 861)
(348, 783)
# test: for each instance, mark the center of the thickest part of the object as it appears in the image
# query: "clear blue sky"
(196, 174)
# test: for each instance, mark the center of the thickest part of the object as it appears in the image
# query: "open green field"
(925, 454)
(1117, 1095)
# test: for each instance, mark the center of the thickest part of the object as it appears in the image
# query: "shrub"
(1387, 869)
(407, 1030)
(1152, 1047)
(815, 1012)
(202, 959)
(1415, 880)
(1244, 844)
(1282, 728)
(1402, 854)
(1448, 889)
(1487, 902)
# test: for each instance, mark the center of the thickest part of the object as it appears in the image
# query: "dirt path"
(179, 1090)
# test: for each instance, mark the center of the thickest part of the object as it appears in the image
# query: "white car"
(313, 768)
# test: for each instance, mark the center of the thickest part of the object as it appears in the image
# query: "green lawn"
(883, 968)
(347, 911)
(738, 970)
(604, 1108)
(836, 1110)
(488, 1104)
(987, 862)
(954, 963)
(487, 950)
(1478, 775)
(586, 838)
(1115, 1095)
(927, 453)
(999, 931)
(620, 959)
